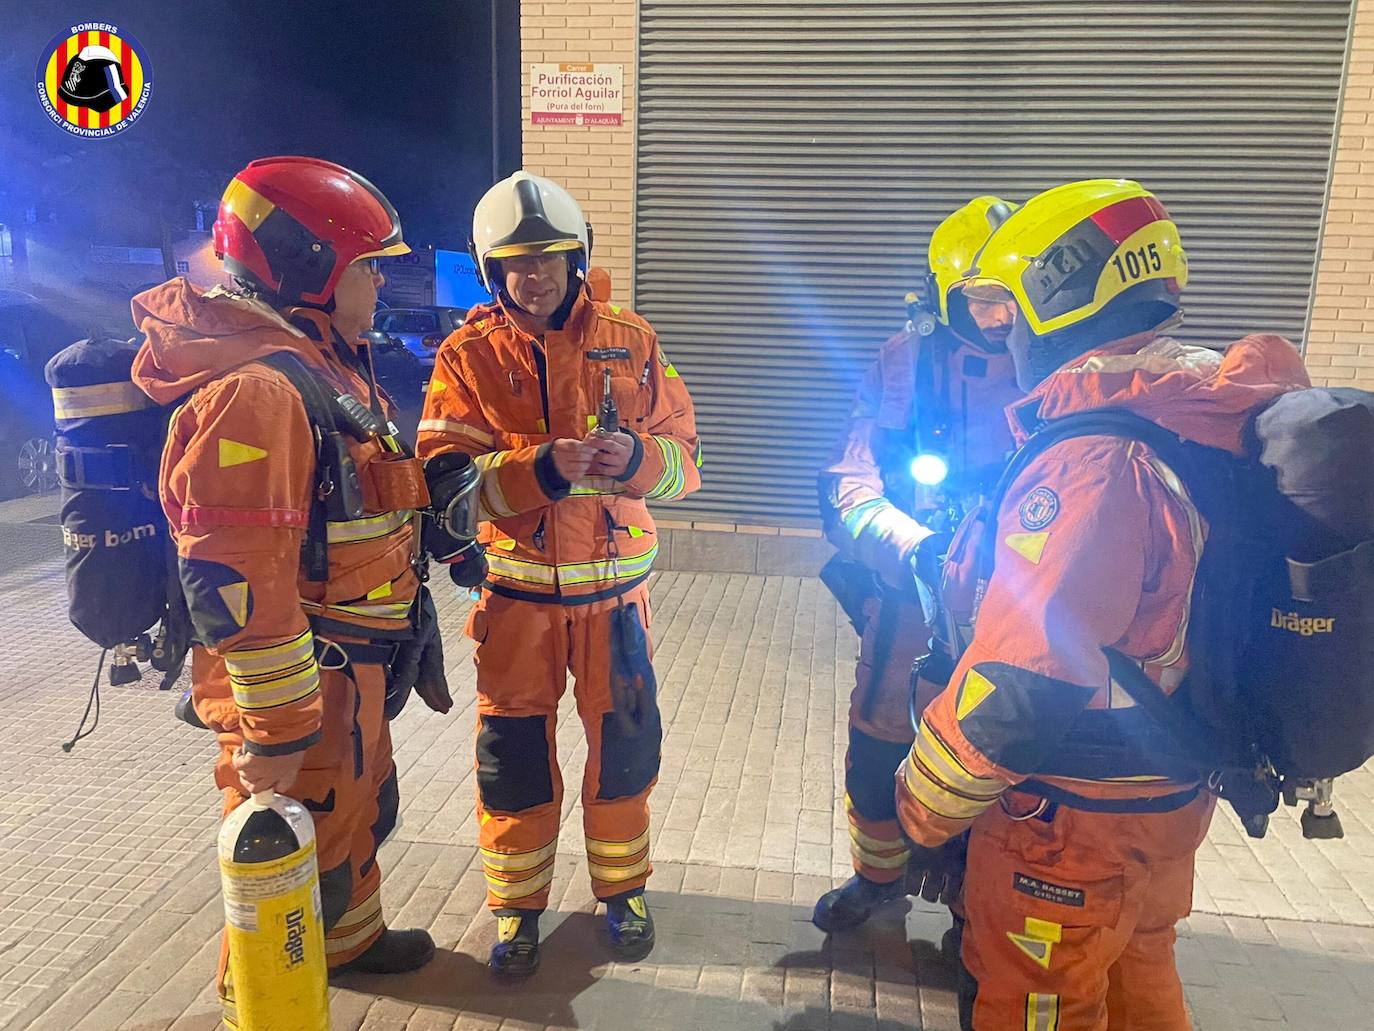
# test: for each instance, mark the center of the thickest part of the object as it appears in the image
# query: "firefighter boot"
(516, 952)
(846, 907)
(394, 952)
(629, 925)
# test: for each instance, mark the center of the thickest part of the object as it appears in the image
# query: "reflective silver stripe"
(607, 569)
(518, 569)
(1042, 1012)
(461, 429)
(98, 399)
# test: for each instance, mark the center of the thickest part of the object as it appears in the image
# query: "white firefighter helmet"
(526, 214)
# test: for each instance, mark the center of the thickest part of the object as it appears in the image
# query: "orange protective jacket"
(1098, 547)
(237, 477)
(502, 396)
(867, 500)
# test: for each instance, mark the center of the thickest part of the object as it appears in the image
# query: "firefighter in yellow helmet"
(1080, 856)
(925, 437)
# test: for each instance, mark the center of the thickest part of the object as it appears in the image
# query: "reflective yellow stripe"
(265, 677)
(98, 399)
(597, 485)
(461, 429)
(491, 498)
(366, 529)
(874, 845)
(349, 940)
(594, 572)
(509, 891)
(615, 874)
(671, 483)
(937, 758)
(938, 798)
(381, 610)
(518, 569)
(1176, 487)
(616, 849)
(516, 862)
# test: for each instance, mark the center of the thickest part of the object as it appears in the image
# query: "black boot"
(516, 952)
(629, 926)
(846, 907)
(394, 952)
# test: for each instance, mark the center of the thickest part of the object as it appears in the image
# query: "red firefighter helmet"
(291, 225)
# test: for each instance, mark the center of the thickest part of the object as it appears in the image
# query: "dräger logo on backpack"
(84, 541)
(1304, 625)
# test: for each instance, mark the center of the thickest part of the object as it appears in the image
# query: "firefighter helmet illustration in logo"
(95, 80)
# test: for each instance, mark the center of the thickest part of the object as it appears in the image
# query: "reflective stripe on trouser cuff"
(1042, 1012)
(517, 862)
(875, 853)
(509, 889)
(355, 929)
(617, 874)
(262, 678)
(597, 849)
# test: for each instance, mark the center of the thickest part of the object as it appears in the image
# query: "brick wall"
(597, 165)
(1340, 343)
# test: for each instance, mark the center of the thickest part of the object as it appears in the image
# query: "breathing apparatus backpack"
(1279, 694)
(122, 571)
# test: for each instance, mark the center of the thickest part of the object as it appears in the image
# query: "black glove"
(937, 874)
(927, 569)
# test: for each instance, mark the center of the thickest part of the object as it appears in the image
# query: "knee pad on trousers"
(868, 775)
(513, 763)
(336, 888)
(629, 762)
(388, 804)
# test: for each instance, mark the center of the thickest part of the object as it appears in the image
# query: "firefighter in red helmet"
(300, 598)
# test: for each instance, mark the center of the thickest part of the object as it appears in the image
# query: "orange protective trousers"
(524, 651)
(1071, 918)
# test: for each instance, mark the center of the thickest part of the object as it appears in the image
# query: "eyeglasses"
(373, 265)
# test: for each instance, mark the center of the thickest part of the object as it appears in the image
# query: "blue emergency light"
(929, 469)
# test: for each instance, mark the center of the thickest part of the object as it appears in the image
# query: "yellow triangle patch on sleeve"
(1030, 546)
(235, 598)
(437, 386)
(233, 452)
(383, 591)
(974, 691)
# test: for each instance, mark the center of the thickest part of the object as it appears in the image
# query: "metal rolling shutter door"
(794, 156)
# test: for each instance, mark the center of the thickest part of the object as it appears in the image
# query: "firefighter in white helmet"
(523, 387)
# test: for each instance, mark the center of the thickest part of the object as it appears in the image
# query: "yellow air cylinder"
(278, 980)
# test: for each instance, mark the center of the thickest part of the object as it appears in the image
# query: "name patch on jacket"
(1047, 892)
(608, 354)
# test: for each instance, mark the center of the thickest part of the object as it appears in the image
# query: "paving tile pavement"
(110, 913)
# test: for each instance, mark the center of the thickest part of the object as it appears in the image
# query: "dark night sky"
(398, 91)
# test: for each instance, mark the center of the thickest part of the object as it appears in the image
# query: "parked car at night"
(421, 330)
(30, 334)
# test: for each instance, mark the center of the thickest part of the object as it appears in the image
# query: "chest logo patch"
(1039, 509)
(608, 354)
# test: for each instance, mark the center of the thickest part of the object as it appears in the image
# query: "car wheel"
(37, 465)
